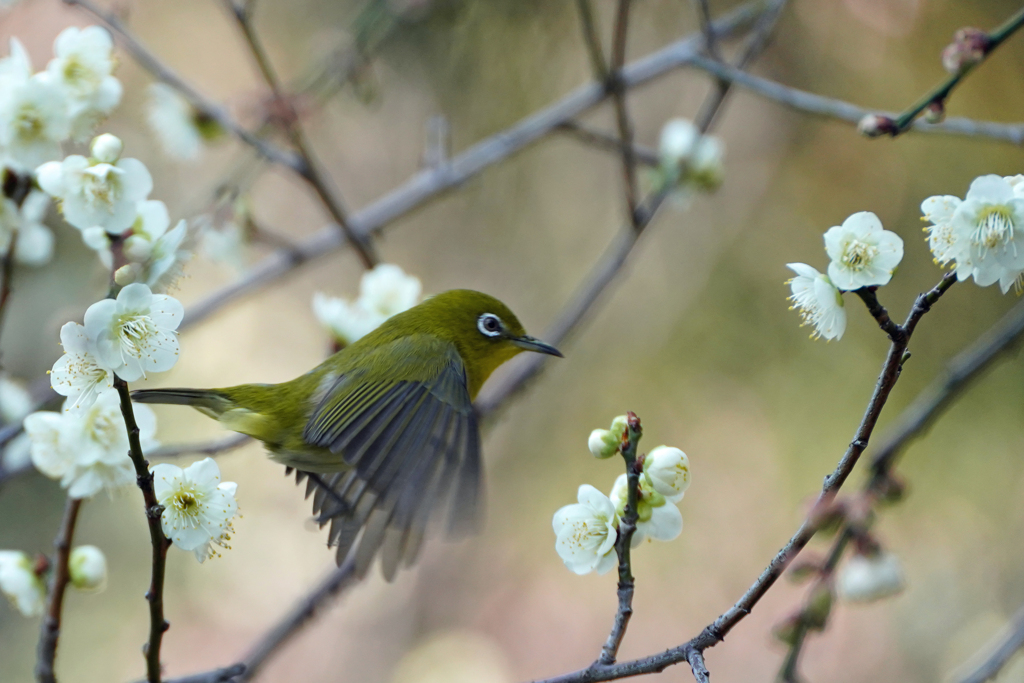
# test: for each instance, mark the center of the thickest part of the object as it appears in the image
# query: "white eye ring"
(489, 325)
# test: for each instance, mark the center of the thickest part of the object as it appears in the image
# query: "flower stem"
(627, 527)
(144, 478)
(50, 631)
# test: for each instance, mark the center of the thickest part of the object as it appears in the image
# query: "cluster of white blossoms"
(689, 161)
(862, 254)
(198, 506)
(22, 580)
(85, 445)
(586, 532)
(106, 197)
(383, 292)
(41, 110)
(981, 235)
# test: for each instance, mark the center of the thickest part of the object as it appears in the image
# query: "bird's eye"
(489, 325)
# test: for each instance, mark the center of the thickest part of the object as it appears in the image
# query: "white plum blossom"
(35, 241)
(158, 251)
(868, 578)
(135, 333)
(688, 158)
(78, 374)
(82, 67)
(863, 253)
(168, 258)
(586, 532)
(87, 567)
(151, 222)
(34, 116)
(657, 519)
(88, 450)
(984, 233)
(175, 121)
(97, 193)
(20, 583)
(383, 291)
(198, 507)
(667, 470)
(819, 302)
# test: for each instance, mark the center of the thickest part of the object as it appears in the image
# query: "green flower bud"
(819, 605)
(88, 568)
(603, 443)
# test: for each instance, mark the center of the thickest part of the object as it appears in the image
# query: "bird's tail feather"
(209, 401)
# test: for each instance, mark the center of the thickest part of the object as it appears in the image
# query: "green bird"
(383, 431)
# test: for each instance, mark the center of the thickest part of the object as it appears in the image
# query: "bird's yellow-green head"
(485, 331)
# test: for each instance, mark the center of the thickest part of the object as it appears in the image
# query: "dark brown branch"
(1001, 652)
(888, 325)
(618, 91)
(50, 631)
(144, 477)
(592, 39)
(8, 275)
(312, 171)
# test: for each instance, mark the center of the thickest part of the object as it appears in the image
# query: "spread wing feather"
(413, 447)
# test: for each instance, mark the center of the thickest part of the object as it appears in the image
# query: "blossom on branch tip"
(198, 507)
(34, 116)
(180, 127)
(819, 302)
(97, 193)
(383, 292)
(78, 374)
(135, 333)
(863, 253)
(586, 531)
(21, 584)
(866, 578)
(689, 159)
(87, 567)
(667, 470)
(983, 233)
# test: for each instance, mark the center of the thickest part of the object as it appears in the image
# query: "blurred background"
(694, 336)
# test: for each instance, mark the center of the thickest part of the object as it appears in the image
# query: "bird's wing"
(413, 446)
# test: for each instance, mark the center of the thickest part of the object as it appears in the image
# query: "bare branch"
(214, 447)
(592, 39)
(319, 180)
(1001, 651)
(618, 91)
(152, 64)
(50, 631)
(827, 107)
(597, 138)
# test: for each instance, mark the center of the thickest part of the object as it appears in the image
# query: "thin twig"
(212, 447)
(50, 631)
(617, 89)
(144, 477)
(162, 72)
(313, 172)
(7, 277)
(1001, 652)
(597, 138)
(592, 39)
(624, 540)
(941, 92)
(715, 632)
(828, 107)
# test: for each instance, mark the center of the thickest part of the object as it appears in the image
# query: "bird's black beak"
(531, 344)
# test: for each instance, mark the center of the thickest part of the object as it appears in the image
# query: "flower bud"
(21, 584)
(668, 471)
(126, 274)
(603, 443)
(876, 125)
(88, 568)
(619, 425)
(138, 249)
(969, 47)
(866, 578)
(935, 112)
(106, 148)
